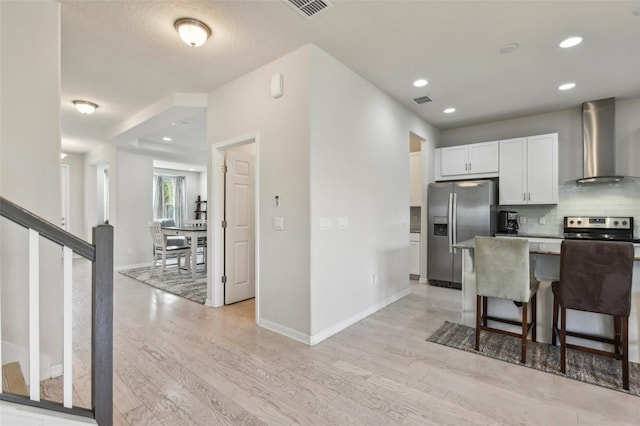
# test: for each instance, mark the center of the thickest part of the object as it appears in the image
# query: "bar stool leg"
(478, 314)
(534, 308)
(485, 301)
(616, 326)
(625, 352)
(563, 341)
(554, 329)
(523, 346)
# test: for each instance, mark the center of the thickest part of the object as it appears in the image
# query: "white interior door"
(239, 233)
(64, 191)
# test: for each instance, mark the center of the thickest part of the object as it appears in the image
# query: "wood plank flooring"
(180, 363)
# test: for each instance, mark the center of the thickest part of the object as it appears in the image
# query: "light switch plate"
(325, 223)
(343, 222)
(278, 223)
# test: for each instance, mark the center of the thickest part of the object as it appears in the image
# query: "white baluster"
(34, 315)
(67, 334)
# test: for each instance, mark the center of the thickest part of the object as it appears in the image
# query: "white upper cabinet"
(529, 170)
(415, 179)
(478, 160)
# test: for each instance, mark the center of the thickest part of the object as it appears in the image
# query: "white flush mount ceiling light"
(192, 32)
(167, 139)
(570, 42)
(85, 107)
(449, 110)
(420, 82)
(566, 86)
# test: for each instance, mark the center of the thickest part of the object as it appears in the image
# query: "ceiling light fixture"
(62, 155)
(85, 107)
(508, 48)
(167, 139)
(192, 32)
(420, 83)
(570, 42)
(566, 86)
(449, 110)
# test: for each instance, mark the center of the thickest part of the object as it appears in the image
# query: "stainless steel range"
(598, 228)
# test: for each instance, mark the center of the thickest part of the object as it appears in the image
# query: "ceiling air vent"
(309, 8)
(421, 100)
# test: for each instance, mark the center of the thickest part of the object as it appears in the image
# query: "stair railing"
(100, 253)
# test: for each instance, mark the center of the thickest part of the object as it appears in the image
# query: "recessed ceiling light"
(566, 86)
(508, 48)
(85, 107)
(192, 170)
(420, 83)
(179, 123)
(449, 110)
(570, 42)
(167, 139)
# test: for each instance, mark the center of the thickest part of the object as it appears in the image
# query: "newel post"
(102, 326)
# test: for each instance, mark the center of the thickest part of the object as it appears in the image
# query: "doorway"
(240, 193)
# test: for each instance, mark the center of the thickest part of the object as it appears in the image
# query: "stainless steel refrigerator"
(457, 211)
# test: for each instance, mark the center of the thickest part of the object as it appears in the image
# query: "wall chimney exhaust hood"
(598, 134)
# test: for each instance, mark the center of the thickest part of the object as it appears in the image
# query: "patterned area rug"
(586, 367)
(173, 281)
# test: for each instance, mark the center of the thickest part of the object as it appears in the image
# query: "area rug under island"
(586, 367)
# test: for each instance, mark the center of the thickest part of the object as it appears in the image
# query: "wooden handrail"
(46, 229)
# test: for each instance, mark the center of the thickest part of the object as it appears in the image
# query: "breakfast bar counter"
(546, 261)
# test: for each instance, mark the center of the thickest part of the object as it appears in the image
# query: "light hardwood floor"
(180, 363)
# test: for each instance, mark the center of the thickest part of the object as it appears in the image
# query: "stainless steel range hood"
(598, 133)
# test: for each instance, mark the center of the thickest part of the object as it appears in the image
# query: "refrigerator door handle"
(450, 222)
(454, 214)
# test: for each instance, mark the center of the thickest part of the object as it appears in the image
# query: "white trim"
(34, 315)
(56, 370)
(285, 331)
(423, 280)
(215, 287)
(67, 327)
(336, 328)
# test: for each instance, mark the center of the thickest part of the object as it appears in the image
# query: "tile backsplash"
(619, 199)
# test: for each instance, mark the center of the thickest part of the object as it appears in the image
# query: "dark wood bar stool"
(595, 276)
(503, 271)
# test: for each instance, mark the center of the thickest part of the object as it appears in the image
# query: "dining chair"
(504, 271)
(596, 277)
(162, 251)
(202, 241)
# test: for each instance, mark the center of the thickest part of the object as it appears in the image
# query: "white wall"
(359, 170)
(244, 106)
(332, 145)
(30, 164)
(94, 160)
(76, 193)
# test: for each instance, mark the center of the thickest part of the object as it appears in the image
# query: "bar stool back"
(595, 276)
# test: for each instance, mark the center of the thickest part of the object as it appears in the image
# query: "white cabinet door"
(513, 171)
(415, 179)
(483, 157)
(454, 160)
(542, 169)
(414, 255)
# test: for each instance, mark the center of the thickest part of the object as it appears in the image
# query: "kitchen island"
(546, 261)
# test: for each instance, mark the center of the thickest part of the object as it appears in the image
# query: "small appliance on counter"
(507, 222)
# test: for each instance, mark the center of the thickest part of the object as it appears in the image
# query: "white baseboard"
(56, 370)
(325, 334)
(423, 280)
(284, 330)
(336, 328)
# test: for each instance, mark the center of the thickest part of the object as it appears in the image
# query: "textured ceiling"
(126, 56)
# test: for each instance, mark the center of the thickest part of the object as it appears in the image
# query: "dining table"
(194, 233)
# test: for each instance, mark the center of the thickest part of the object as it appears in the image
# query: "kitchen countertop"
(549, 245)
(525, 235)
